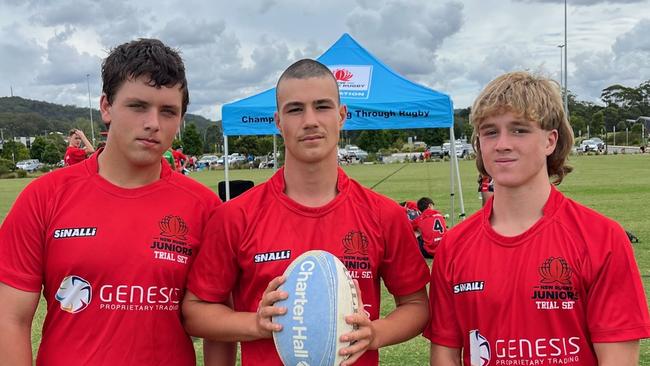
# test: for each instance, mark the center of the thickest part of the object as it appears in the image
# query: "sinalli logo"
(74, 294)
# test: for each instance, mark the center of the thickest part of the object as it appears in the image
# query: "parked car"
(588, 145)
(355, 152)
(599, 142)
(462, 148)
(234, 158)
(29, 165)
(206, 161)
(436, 151)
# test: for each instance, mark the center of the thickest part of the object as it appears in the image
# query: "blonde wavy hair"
(534, 98)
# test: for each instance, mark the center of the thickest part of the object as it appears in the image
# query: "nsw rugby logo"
(74, 294)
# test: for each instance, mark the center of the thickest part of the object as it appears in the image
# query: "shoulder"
(193, 189)
(587, 224)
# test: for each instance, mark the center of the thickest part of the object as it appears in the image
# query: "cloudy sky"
(233, 49)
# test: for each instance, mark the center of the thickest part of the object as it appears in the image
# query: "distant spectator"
(75, 153)
(180, 160)
(430, 225)
(485, 188)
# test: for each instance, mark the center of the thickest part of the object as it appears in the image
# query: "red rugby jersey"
(255, 236)
(542, 296)
(112, 264)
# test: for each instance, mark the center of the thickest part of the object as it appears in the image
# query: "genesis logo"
(479, 349)
(74, 294)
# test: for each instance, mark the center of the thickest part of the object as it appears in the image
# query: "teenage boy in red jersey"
(113, 277)
(308, 204)
(75, 153)
(431, 225)
(533, 277)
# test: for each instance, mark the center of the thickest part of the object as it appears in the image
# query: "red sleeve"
(215, 270)
(22, 238)
(617, 310)
(403, 270)
(443, 328)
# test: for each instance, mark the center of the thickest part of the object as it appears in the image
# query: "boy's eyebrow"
(292, 105)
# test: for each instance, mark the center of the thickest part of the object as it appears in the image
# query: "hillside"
(26, 117)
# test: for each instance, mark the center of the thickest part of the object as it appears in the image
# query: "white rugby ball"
(321, 294)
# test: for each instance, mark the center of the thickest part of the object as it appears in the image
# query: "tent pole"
(461, 216)
(226, 164)
(275, 154)
(452, 156)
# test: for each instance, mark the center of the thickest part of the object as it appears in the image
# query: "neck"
(311, 184)
(515, 210)
(122, 173)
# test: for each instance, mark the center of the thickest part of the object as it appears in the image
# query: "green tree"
(578, 124)
(597, 123)
(51, 154)
(192, 141)
(14, 151)
(211, 139)
(37, 148)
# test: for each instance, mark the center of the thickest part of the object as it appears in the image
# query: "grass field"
(616, 185)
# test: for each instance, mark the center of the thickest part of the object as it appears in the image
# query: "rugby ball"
(321, 294)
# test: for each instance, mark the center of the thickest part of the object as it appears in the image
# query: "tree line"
(621, 106)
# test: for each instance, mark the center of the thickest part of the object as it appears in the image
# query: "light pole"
(566, 68)
(560, 46)
(90, 109)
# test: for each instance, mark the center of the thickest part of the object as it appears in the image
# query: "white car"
(355, 152)
(462, 148)
(207, 161)
(589, 145)
(30, 165)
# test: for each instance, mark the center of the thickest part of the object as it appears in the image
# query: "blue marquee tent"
(377, 97)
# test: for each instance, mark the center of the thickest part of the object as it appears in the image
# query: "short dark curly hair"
(144, 57)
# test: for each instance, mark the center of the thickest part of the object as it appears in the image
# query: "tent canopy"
(377, 97)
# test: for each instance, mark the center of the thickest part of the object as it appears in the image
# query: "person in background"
(75, 153)
(485, 188)
(430, 226)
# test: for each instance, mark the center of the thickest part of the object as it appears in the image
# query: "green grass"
(616, 185)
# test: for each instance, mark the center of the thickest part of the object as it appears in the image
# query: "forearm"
(617, 353)
(15, 344)
(405, 322)
(444, 356)
(88, 147)
(218, 322)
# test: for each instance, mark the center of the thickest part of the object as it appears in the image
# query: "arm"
(219, 353)
(407, 320)
(618, 353)
(444, 356)
(16, 313)
(218, 322)
(88, 147)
